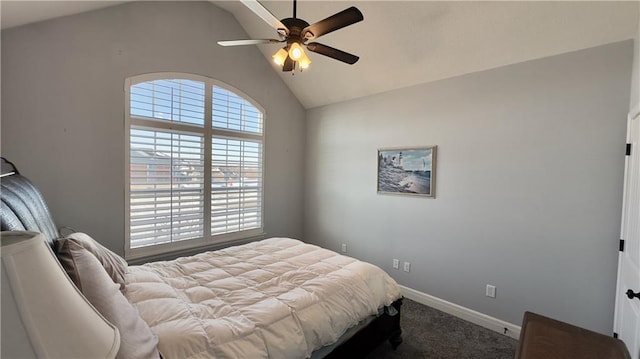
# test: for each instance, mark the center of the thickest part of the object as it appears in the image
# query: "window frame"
(208, 133)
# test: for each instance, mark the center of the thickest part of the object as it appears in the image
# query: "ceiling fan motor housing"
(295, 27)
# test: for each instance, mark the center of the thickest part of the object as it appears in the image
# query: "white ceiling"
(404, 43)
(16, 13)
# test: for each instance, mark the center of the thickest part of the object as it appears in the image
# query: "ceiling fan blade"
(288, 65)
(333, 53)
(332, 23)
(247, 42)
(265, 15)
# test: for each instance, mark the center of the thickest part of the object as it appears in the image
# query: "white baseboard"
(483, 320)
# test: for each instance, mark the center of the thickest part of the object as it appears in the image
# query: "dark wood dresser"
(546, 338)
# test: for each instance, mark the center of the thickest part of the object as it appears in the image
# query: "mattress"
(277, 298)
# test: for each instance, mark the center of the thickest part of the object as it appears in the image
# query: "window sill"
(143, 255)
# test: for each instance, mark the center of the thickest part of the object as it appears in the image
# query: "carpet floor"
(430, 333)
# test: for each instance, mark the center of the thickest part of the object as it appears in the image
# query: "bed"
(272, 298)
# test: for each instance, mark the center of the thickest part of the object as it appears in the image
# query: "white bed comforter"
(276, 298)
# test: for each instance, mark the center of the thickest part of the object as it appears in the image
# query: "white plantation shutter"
(235, 113)
(195, 154)
(166, 187)
(171, 100)
(236, 198)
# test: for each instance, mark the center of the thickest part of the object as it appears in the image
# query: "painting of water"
(408, 170)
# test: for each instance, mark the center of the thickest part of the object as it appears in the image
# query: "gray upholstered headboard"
(23, 207)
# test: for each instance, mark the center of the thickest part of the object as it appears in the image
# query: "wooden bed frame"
(24, 209)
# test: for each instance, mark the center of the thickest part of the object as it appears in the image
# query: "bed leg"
(395, 339)
(396, 335)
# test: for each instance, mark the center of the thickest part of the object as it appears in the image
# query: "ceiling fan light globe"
(304, 62)
(280, 56)
(296, 52)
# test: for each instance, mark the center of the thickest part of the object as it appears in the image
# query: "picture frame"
(407, 171)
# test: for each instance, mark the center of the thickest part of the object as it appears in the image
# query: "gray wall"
(63, 105)
(635, 78)
(529, 185)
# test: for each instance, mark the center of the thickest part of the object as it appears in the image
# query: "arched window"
(194, 163)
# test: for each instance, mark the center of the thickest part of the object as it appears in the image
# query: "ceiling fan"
(297, 32)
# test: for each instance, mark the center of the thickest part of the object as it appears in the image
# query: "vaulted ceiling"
(405, 43)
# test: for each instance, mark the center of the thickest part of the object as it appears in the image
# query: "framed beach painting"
(408, 171)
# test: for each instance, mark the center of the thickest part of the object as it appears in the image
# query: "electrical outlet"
(407, 267)
(344, 248)
(396, 264)
(491, 291)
